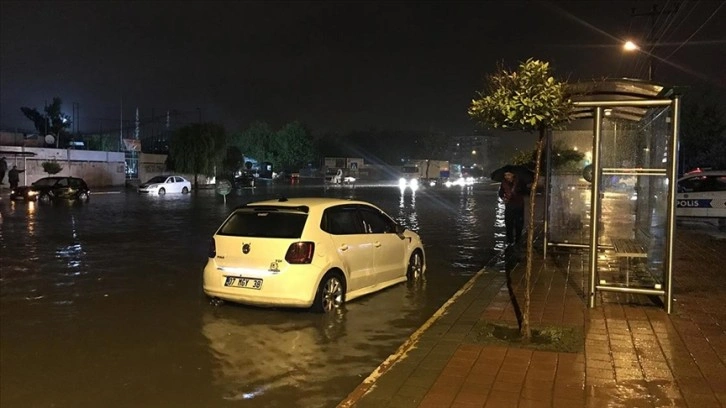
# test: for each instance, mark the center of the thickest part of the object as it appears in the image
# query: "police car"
(702, 194)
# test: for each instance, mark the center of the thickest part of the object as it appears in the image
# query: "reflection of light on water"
(407, 215)
(500, 233)
(73, 253)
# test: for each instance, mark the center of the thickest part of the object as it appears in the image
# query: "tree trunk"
(526, 331)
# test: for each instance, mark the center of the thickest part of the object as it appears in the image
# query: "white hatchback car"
(166, 184)
(309, 253)
(702, 194)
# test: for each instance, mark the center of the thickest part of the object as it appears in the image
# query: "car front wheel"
(83, 196)
(162, 191)
(44, 198)
(330, 294)
(415, 266)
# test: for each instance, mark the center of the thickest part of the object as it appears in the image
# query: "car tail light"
(212, 248)
(300, 253)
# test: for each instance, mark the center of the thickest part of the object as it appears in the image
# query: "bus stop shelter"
(619, 204)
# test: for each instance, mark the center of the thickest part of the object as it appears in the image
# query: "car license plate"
(247, 283)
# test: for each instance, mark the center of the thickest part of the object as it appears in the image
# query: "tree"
(562, 157)
(256, 142)
(528, 99)
(703, 138)
(293, 147)
(289, 148)
(53, 121)
(197, 149)
(51, 167)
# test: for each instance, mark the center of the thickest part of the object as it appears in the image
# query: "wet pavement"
(634, 354)
(101, 304)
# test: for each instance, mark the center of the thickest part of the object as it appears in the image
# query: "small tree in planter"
(532, 100)
(51, 167)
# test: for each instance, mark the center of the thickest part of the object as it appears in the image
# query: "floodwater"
(101, 303)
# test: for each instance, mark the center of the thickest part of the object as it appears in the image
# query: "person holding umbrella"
(511, 192)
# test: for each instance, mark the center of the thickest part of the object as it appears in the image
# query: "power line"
(697, 30)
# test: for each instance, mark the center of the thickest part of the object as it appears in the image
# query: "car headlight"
(414, 184)
(31, 193)
(402, 182)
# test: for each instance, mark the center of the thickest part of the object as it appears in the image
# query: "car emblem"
(246, 248)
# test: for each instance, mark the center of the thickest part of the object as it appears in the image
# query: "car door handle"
(377, 244)
(344, 247)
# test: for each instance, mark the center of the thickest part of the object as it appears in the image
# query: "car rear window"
(265, 223)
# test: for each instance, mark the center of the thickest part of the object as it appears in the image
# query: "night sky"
(335, 66)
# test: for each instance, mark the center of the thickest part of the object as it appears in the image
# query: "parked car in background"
(244, 179)
(702, 194)
(166, 184)
(309, 252)
(54, 188)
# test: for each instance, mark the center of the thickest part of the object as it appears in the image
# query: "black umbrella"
(523, 174)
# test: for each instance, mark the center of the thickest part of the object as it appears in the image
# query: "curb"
(369, 382)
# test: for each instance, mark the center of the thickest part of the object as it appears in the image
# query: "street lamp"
(630, 46)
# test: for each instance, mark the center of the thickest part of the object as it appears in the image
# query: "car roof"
(59, 178)
(310, 202)
(705, 173)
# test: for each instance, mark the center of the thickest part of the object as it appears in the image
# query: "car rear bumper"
(293, 287)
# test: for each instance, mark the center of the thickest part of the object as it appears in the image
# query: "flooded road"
(101, 304)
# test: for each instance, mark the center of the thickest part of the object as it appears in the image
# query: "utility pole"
(652, 40)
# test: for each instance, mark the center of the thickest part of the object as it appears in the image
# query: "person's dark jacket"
(511, 193)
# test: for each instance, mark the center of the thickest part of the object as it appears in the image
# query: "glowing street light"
(630, 46)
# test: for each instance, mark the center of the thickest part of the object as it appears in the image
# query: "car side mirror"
(400, 229)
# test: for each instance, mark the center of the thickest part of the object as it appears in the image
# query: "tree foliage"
(562, 157)
(528, 99)
(289, 148)
(703, 135)
(197, 149)
(52, 120)
(51, 167)
(256, 142)
(293, 147)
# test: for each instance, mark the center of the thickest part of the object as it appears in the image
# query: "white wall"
(97, 168)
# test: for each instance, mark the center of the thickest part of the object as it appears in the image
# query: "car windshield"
(157, 180)
(46, 182)
(264, 223)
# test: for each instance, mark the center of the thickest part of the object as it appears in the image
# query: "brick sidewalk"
(635, 355)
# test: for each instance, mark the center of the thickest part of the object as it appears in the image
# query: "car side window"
(719, 183)
(376, 223)
(703, 184)
(62, 183)
(170, 180)
(342, 221)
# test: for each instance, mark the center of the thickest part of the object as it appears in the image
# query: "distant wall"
(97, 168)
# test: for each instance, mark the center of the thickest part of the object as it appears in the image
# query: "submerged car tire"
(330, 294)
(44, 198)
(415, 266)
(185, 190)
(83, 196)
(162, 191)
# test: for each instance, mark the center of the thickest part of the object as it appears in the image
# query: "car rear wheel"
(44, 198)
(185, 190)
(83, 196)
(162, 191)
(330, 294)
(415, 266)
